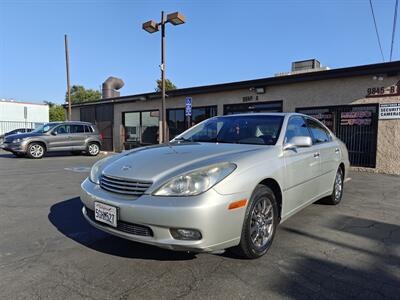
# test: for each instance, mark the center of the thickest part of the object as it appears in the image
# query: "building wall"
(351, 90)
(14, 112)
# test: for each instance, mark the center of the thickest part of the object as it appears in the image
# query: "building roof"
(388, 68)
(12, 101)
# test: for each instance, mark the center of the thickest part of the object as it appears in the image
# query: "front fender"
(248, 175)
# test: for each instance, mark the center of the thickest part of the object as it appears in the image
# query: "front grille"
(130, 228)
(124, 186)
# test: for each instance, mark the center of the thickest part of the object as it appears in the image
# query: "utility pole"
(68, 83)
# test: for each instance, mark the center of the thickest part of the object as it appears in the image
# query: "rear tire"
(259, 226)
(337, 192)
(93, 149)
(36, 150)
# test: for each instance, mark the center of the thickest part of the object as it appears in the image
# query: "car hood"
(158, 163)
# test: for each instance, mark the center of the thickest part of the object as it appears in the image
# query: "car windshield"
(45, 128)
(257, 129)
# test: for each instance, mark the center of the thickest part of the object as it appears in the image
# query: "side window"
(88, 128)
(296, 127)
(77, 129)
(63, 129)
(318, 132)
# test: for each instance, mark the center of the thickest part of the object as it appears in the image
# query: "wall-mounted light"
(260, 90)
(257, 90)
(380, 77)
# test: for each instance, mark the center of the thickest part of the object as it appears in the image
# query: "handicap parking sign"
(188, 108)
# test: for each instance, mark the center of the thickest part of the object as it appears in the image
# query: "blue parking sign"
(188, 108)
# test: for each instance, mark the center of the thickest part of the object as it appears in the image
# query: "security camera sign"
(188, 108)
(388, 111)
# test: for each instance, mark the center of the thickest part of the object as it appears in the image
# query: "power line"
(376, 29)
(394, 28)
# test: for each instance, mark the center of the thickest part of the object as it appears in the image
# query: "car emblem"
(126, 168)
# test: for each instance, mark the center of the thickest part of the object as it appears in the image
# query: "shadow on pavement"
(4, 154)
(67, 217)
(315, 278)
(378, 279)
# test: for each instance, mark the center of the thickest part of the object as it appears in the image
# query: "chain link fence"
(7, 126)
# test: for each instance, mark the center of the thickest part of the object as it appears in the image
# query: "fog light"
(185, 234)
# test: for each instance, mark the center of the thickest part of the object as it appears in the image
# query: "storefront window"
(178, 122)
(141, 128)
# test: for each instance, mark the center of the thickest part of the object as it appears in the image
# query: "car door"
(78, 136)
(59, 139)
(329, 152)
(302, 166)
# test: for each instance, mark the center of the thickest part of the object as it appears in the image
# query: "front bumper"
(208, 213)
(15, 147)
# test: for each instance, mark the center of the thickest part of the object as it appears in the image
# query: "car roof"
(71, 122)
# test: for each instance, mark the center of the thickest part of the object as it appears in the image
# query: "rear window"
(77, 129)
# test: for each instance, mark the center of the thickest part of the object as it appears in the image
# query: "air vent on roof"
(304, 66)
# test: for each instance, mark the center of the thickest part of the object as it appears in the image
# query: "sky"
(221, 41)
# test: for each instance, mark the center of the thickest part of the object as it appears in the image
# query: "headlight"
(18, 140)
(196, 182)
(96, 170)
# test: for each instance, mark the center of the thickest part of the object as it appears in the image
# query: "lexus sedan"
(224, 183)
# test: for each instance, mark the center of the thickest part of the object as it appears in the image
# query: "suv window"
(318, 132)
(296, 127)
(63, 129)
(77, 129)
(88, 128)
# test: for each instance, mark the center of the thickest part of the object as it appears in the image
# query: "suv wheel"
(36, 150)
(93, 149)
(260, 222)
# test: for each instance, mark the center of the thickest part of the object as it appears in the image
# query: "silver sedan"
(225, 183)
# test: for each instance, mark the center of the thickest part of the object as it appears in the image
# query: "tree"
(79, 94)
(168, 85)
(56, 112)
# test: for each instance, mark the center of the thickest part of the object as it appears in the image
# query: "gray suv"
(55, 136)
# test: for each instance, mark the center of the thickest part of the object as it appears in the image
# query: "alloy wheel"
(36, 150)
(93, 149)
(261, 224)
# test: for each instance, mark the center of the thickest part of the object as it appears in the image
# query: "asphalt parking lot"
(48, 251)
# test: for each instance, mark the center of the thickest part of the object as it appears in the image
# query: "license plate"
(105, 213)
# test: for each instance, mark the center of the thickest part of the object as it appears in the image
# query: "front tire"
(93, 149)
(36, 150)
(260, 222)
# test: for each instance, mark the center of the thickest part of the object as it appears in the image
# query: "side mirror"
(298, 142)
(54, 132)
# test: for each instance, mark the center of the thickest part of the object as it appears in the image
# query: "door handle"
(316, 154)
(337, 150)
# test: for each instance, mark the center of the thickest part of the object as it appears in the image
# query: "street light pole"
(151, 26)
(163, 129)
